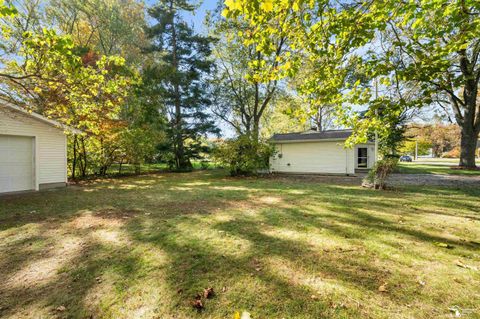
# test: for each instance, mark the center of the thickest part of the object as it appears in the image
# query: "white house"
(320, 153)
(33, 151)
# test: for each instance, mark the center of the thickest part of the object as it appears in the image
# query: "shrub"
(243, 156)
(378, 175)
(454, 153)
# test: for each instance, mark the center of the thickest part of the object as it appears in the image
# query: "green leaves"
(7, 10)
(87, 96)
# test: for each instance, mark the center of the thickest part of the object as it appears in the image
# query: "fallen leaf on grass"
(244, 315)
(224, 289)
(197, 303)
(456, 311)
(314, 297)
(383, 288)
(462, 265)
(61, 309)
(443, 245)
(208, 293)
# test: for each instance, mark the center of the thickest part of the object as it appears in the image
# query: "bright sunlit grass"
(277, 248)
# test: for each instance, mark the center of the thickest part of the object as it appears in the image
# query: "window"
(362, 157)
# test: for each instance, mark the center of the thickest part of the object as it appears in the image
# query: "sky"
(198, 17)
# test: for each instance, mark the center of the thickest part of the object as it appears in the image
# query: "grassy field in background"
(129, 169)
(145, 246)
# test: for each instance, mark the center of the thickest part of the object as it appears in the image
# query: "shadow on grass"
(212, 231)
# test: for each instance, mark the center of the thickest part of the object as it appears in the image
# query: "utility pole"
(416, 149)
(376, 114)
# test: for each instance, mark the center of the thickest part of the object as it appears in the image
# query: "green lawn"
(433, 168)
(129, 169)
(143, 247)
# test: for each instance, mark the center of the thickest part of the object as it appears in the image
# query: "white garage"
(320, 153)
(33, 151)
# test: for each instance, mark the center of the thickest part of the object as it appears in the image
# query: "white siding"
(329, 157)
(50, 144)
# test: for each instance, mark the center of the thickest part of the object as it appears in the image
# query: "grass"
(434, 168)
(275, 247)
(129, 169)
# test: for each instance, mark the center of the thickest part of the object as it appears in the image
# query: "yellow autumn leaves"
(265, 5)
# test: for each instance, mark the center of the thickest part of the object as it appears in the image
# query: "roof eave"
(314, 140)
(307, 140)
(41, 118)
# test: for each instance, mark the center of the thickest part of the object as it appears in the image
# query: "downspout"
(346, 161)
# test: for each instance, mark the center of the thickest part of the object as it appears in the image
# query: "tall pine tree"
(184, 66)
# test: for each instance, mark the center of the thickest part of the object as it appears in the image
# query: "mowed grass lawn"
(144, 247)
(435, 167)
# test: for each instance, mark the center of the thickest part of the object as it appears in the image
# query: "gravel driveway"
(434, 179)
(394, 179)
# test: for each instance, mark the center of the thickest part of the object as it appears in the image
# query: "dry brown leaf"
(462, 265)
(383, 288)
(197, 303)
(208, 293)
(61, 309)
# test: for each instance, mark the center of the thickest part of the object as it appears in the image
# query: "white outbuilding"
(323, 152)
(33, 151)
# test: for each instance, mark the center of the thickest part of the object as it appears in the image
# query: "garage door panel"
(323, 157)
(16, 157)
(16, 163)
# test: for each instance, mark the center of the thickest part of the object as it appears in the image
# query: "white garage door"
(16, 163)
(311, 157)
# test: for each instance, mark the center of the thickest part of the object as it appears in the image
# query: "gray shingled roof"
(312, 135)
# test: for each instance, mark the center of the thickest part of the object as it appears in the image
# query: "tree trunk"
(469, 124)
(83, 166)
(137, 168)
(74, 160)
(468, 146)
(120, 166)
(256, 129)
(180, 161)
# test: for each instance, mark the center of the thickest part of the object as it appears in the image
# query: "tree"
(439, 49)
(433, 45)
(283, 116)
(243, 86)
(84, 90)
(184, 64)
(110, 27)
(441, 138)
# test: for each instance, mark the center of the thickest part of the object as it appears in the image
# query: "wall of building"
(50, 145)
